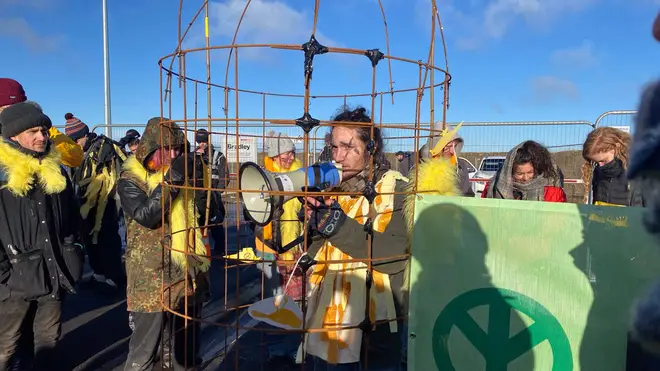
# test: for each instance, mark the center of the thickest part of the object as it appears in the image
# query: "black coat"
(611, 185)
(38, 233)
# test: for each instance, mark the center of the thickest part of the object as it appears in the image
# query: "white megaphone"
(260, 205)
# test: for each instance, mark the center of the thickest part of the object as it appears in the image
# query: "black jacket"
(464, 184)
(38, 257)
(611, 185)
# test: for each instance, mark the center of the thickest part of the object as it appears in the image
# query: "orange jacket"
(72, 153)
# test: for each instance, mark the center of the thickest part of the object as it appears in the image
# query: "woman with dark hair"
(528, 174)
(347, 295)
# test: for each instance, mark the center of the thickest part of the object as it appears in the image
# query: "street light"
(106, 69)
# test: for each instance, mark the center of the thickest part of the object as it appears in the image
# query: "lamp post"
(106, 69)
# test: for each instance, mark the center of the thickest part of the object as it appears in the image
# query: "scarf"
(24, 170)
(184, 225)
(505, 187)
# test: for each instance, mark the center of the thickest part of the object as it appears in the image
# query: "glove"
(176, 174)
(327, 220)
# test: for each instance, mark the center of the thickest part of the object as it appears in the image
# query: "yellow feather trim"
(22, 171)
(436, 177)
(290, 226)
(184, 226)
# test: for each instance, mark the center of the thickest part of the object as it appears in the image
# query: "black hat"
(400, 153)
(132, 133)
(202, 136)
(19, 117)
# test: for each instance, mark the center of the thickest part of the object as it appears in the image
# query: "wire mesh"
(239, 118)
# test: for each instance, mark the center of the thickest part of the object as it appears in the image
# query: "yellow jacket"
(290, 227)
(72, 154)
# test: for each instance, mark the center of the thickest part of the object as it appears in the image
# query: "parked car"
(487, 169)
(471, 168)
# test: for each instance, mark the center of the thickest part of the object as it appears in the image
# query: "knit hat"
(22, 116)
(75, 129)
(276, 144)
(11, 92)
(202, 136)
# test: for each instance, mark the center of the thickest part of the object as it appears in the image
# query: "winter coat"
(95, 180)
(404, 165)
(464, 184)
(152, 273)
(611, 186)
(39, 223)
(70, 151)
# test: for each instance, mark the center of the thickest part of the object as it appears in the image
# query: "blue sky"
(510, 60)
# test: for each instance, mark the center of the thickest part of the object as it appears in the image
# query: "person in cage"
(338, 227)
(449, 145)
(528, 173)
(41, 258)
(405, 161)
(604, 172)
(281, 233)
(95, 180)
(183, 269)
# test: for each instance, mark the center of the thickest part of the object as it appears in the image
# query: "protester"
(405, 161)
(40, 258)
(95, 180)
(12, 92)
(131, 139)
(148, 269)
(281, 232)
(326, 152)
(219, 181)
(338, 232)
(528, 173)
(448, 144)
(604, 172)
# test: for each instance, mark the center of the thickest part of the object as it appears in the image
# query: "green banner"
(502, 285)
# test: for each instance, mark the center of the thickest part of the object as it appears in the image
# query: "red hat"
(11, 92)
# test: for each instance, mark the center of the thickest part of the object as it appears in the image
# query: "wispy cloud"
(265, 22)
(476, 23)
(18, 28)
(581, 56)
(548, 89)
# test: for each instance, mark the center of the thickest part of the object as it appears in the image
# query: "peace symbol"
(497, 347)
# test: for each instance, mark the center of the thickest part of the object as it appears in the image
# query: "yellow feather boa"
(191, 241)
(290, 226)
(22, 171)
(434, 176)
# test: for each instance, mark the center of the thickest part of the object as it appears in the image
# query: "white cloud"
(546, 89)
(476, 23)
(265, 22)
(581, 56)
(19, 29)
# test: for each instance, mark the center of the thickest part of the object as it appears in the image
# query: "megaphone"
(261, 205)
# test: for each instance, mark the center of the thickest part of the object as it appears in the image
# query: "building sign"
(246, 146)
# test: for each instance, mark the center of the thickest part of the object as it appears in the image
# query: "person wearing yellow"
(281, 232)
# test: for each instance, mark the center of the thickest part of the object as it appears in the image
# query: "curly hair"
(603, 140)
(540, 158)
(360, 114)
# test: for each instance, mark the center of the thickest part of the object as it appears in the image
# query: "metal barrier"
(622, 119)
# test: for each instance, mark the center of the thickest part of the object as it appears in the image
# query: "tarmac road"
(95, 330)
